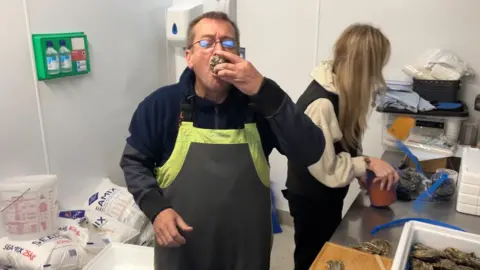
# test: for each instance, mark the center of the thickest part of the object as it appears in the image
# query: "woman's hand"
(362, 181)
(384, 172)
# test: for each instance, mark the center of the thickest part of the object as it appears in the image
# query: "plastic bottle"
(65, 58)
(53, 66)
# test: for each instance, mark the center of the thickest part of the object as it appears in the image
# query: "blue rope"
(412, 157)
(429, 192)
(402, 221)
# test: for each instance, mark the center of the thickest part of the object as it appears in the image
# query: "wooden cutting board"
(352, 258)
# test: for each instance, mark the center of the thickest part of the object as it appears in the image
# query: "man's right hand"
(166, 227)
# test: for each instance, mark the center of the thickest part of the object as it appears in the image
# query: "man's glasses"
(228, 44)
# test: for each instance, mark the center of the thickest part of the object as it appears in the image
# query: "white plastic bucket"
(30, 208)
(452, 129)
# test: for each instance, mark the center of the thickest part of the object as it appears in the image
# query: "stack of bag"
(110, 215)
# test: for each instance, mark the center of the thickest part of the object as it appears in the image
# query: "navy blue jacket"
(154, 128)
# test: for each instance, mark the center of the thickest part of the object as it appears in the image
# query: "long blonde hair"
(360, 54)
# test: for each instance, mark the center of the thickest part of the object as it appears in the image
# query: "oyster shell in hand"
(335, 265)
(419, 265)
(215, 60)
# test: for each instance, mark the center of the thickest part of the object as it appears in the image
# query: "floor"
(282, 253)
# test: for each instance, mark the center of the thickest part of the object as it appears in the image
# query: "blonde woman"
(338, 101)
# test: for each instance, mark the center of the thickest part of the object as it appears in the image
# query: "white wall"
(177, 54)
(85, 118)
(283, 46)
(21, 148)
(281, 42)
(279, 37)
(413, 27)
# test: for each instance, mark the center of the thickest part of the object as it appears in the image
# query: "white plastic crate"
(432, 236)
(122, 257)
(468, 200)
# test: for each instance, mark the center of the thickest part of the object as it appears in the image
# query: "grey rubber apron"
(218, 182)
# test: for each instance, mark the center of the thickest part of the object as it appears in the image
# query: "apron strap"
(188, 104)
(186, 109)
(250, 113)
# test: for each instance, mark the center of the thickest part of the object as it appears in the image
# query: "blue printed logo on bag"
(73, 214)
(93, 198)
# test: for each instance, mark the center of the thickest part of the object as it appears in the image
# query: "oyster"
(335, 265)
(463, 267)
(444, 192)
(463, 258)
(445, 264)
(474, 261)
(419, 265)
(409, 184)
(449, 259)
(369, 248)
(384, 245)
(426, 254)
(216, 59)
(457, 256)
(375, 246)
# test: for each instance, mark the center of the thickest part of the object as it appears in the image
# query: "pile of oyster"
(410, 184)
(376, 247)
(427, 258)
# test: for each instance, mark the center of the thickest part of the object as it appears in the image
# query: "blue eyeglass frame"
(226, 43)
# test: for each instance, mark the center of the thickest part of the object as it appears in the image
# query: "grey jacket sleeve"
(298, 138)
(141, 182)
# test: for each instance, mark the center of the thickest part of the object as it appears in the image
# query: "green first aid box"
(76, 43)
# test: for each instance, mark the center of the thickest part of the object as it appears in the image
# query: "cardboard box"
(431, 166)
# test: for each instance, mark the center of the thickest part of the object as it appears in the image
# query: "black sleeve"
(297, 137)
(139, 158)
(141, 182)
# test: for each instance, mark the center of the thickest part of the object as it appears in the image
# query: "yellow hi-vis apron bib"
(218, 182)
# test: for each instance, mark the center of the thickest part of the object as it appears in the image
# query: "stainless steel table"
(361, 218)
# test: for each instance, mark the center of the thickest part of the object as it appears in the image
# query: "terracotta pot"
(378, 197)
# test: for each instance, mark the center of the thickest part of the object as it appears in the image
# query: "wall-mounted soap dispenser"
(178, 18)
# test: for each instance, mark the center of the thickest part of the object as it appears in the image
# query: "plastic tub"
(123, 257)
(437, 90)
(379, 197)
(453, 175)
(30, 207)
(433, 236)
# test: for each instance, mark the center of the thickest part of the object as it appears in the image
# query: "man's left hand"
(242, 74)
